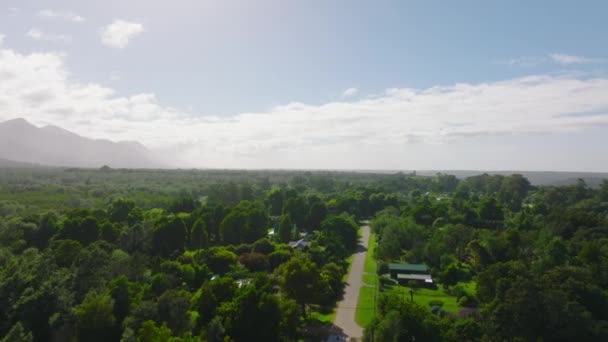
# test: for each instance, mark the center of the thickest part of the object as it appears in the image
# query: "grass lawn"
(370, 260)
(370, 279)
(424, 296)
(317, 313)
(366, 306)
(366, 303)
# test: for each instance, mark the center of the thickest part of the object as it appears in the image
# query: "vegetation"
(144, 255)
(509, 262)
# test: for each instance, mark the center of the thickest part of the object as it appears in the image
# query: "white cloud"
(559, 58)
(570, 59)
(62, 15)
(350, 92)
(39, 87)
(2, 39)
(37, 34)
(119, 33)
(526, 61)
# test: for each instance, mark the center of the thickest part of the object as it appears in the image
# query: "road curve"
(345, 313)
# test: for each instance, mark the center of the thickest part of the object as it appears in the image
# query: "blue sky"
(217, 82)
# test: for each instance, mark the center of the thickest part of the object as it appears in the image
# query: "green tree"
(513, 191)
(342, 229)
(85, 230)
(169, 235)
(274, 198)
(297, 209)
(119, 210)
(215, 330)
(119, 291)
(264, 246)
(253, 315)
(66, 251)
(18, 334)
(285, 229)
(452, 275)
(490, 210)
(220, 259)
(94, 318)
(150, 332)
(233, 227)
(300, 281)
(316, 214)
(207, 300)
(401, 320)
(423, 213)
(173, 308)
(198, 235)
(109, 232)
(184, 204)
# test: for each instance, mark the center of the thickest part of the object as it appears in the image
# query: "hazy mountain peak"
(18, 122)
(58, 130)
(52, 145)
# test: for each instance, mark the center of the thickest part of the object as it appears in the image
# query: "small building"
(404, 273)
(301, 244)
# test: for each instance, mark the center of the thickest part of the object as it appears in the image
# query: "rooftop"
(302, 243)
(408, 267)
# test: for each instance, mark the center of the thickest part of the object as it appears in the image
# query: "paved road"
(345, 314)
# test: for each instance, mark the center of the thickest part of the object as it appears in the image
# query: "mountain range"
(23, 142)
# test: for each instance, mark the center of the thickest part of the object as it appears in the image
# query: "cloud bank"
(119, 33)
(39, 87)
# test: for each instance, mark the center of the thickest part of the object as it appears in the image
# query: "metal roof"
(413, 276)
(408, 267)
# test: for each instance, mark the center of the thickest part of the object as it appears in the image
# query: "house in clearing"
(405, 273)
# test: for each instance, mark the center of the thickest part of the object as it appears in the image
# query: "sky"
(317, 84)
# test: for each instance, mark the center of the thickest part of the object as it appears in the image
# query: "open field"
(425, 297)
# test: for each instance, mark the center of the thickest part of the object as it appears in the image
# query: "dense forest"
(186, 255)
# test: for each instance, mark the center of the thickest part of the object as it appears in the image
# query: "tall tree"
(169, 235)
(198, 235)
(300, 281)
(285, 229)
(95, 318)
